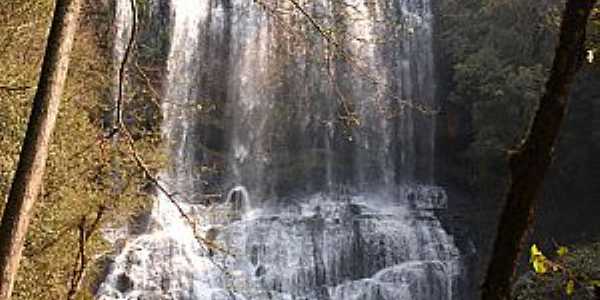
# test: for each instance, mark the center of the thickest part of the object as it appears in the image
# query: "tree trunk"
(529, 164)
(32, 161)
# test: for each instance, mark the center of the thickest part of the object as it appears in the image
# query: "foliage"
(571, 274)
(87, 175)
(499, 53)
(538, 260)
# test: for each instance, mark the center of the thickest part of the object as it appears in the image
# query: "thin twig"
(123, 68)
(148, 84)
(79, 269)
(203, 242)
(352, 61)
(314, 23)
(10, 88)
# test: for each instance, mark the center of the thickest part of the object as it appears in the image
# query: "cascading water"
(314, 121)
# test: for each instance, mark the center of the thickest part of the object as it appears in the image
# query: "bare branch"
(314, 23)
(148, 84)
(351, 59)
(123, 66)
(203, 242)
(10, 88)
(79, 269)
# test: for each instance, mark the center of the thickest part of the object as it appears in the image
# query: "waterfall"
(314, 121)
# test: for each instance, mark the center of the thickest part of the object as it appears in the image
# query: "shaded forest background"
(492, 58)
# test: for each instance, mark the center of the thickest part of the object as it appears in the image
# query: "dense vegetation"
(498, 54)
(91, 182)
(565, 274)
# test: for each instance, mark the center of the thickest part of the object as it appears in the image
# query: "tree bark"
(26, 184)
(529, 164)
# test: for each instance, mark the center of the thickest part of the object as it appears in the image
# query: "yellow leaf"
(535, 251)
(562, 251)
(570, 288)
(539, 261)
(540, 266)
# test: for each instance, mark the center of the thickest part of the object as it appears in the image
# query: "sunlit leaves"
(538, 260)
(571, 273)
(80, 169)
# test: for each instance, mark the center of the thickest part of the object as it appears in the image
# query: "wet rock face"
(332, 248)
(366, 247)
(123, 283)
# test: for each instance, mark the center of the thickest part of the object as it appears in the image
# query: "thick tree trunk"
(32, 161)
(529, 164)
